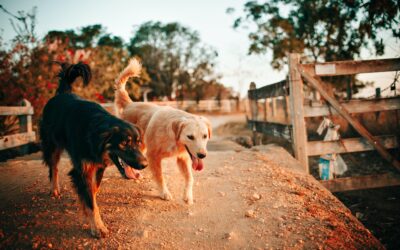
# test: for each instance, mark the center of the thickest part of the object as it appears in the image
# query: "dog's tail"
(68, 74)
(122, 98)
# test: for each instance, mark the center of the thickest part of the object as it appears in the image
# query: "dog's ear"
(208, 124)
(177, 127)
(106, 136)
(140, 131)
(99, 137)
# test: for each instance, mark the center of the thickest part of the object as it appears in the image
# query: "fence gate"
(298, 111)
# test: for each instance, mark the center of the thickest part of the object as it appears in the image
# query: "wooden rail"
(223, 106)
(349, 145)
(339, 68)
(26, 134)
(354, 106)
(361, 182)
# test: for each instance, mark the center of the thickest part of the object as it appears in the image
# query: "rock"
(143, 234)
(221, 193)
(255, 197)
(250, 213)
(229, 235)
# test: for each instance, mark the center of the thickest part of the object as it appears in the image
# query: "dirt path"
(252, 199)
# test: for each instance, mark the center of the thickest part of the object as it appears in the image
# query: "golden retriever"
(167, 132)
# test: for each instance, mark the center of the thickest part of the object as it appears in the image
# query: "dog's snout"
(144, 163)
(201, 155)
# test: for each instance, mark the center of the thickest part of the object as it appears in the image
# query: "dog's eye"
(205, 136)
(191, 137)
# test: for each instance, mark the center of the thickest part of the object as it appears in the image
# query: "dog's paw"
(188, 200)
(188, 196)
(99, 231)
(55, 194)
(166, 195)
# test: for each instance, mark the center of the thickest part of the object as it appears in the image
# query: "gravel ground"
(251, 199)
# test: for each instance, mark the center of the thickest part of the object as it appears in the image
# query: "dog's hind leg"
(86, 183)
(51, 157)
(184, 167)
(155, 167)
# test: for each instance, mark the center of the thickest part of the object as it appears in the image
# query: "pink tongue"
(131, 173)
(197, 164)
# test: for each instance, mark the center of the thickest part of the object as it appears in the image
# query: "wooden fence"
(25, 135)
(284, 106)
(222, 106)
(269, 112)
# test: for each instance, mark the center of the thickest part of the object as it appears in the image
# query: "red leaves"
(99, 97)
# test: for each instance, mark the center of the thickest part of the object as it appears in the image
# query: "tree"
(111, 41)
(85, 37)
(24, 24)
(172, 54)
(322, 30)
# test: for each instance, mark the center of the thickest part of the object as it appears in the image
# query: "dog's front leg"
(155, 167)
(97, 225)
(86, 181)
(183, 162)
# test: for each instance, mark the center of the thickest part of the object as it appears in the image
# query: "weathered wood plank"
(270, 128)
(352, 67)
(5, 110)
(361, 182)
(272, 90)
(297, 112)
(355, 106)
(316, 83)
(348, 145)
(16, 140)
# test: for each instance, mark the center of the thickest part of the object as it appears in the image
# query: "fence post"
(253, 110)
(25, 125)
(265, 109)
(297, 112)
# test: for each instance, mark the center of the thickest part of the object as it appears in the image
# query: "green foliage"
(85, 37)
(173, 56)
(322, 30)
(111, 41)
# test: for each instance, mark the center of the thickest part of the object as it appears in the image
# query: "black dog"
(92, 137)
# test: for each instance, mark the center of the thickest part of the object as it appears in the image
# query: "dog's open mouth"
(130, 173)
(197, 164)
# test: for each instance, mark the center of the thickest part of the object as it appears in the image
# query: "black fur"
(88, 133)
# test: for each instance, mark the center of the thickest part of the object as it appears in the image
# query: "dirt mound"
(255, 198)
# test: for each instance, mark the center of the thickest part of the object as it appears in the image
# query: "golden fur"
(168, 132)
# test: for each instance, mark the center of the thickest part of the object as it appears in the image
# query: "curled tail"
(122, 98)
(68, 74)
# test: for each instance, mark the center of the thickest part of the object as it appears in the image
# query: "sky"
(208, 17)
